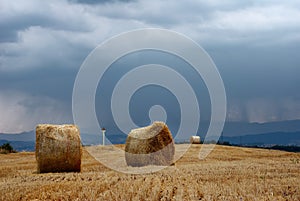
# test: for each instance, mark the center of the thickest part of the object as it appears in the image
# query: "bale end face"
(58, 148)
(151, 145)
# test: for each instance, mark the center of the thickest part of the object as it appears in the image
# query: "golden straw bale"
(195, 140)
(151, 145)
(58, 148)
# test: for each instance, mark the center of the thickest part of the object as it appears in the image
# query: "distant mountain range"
(240, 133)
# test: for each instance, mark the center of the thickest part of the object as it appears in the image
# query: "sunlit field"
(228, 173)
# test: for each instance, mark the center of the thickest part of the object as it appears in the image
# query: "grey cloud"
(21, 112)
(261, 83)
(48, 82)
(42, 48)
(256, 72)
(254, 44)
(93, 2)
(60, 17)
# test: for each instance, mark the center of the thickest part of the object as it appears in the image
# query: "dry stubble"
(228, 173)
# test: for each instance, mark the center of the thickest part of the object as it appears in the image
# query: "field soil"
(227, 173)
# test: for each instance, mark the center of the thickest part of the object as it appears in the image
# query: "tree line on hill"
(289, 148)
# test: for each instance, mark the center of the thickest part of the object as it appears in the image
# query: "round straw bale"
(151, 145)
(58, 148)
(195, 140)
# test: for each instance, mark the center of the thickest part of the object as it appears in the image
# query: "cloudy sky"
(254, 44)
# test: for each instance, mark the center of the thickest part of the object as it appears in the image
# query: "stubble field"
(228, 173)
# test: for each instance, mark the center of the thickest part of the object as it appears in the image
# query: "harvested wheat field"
(228, 173)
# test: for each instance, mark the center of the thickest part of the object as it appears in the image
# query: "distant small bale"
(195, 140)
(58, 148)
(151, 145)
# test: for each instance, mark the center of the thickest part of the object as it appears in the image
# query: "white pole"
(103, 137)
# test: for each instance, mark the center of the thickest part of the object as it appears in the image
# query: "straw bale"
(195, 140)
(151, 145)
(58, 148)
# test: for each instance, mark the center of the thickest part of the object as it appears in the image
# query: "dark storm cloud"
(261, 83)
(255, 46)
(262, 71)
